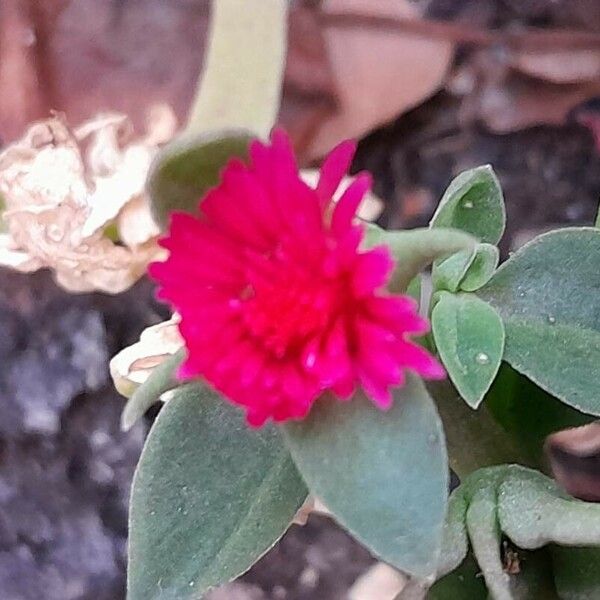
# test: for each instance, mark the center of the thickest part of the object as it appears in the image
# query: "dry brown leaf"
(134, 364)
(510, 91)
(63, 189)
(378, 74)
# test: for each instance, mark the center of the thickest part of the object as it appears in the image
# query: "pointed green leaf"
(416, 249)
(447, 274)
(481, 269)
(188, 167)
(473, 203)
(469, 336)
(210, 496)
(240, 87)
(547, 296)
(161, 380)
(384, 475)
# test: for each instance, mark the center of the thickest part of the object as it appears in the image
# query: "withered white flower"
(134, 364)
(75, 203)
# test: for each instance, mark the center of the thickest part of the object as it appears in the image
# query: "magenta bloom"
(278, 302)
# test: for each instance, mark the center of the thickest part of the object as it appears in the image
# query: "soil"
(65, 467)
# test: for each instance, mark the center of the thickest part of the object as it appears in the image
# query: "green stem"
(473, 437)
(240, 87)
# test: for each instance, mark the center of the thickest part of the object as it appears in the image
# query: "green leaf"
(238, 98)
(547, 296)
(576, 572)
(384, 475)
(534, 511)
(161, 380)
(481, 268)
(473, 203)
(241, 84)
(531, 511)
(188, 167)
(416, 249)
(469, 336)
(449, 272)
(210, 496)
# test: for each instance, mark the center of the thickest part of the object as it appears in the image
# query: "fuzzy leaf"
(547, 296)
(210, 496)
(188, 167)
(531, 511)
(240, 87)
(473, 203)
(416, 249)
(161, 380)
(447, 274)
(469, 336)
(481, 268)
(395, 461)
(534, 511)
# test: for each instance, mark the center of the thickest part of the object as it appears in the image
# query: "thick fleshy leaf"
(416, 249)
(469, 336)
(473, 203)
(547, 296)
(481, 269)
(447, 274)
(188, 167)
(576, 572)
(230, 107)
(240, 87)
(531, 511)
(160, 381)
(384, 475)
(210, 496)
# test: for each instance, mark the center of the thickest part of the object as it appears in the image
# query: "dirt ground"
(65, 468)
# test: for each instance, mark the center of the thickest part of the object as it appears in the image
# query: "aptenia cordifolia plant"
(297, 362)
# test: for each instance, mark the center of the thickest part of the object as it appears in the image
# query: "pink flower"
(278, 302)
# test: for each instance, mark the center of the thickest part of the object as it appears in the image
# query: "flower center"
(289, 306)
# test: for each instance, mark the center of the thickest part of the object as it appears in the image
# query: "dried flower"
(74, 201)
(133, 365)
(278, 302)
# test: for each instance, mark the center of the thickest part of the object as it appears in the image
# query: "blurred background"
(430, 87)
